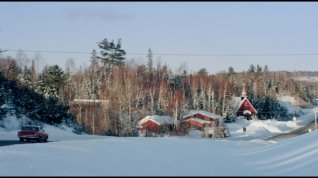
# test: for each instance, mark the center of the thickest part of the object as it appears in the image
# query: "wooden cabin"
(199, 120)
(154, 125)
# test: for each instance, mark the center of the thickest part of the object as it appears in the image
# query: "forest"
(132, 91)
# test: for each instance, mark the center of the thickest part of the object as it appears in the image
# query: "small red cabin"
(152, 124)
(149, 126)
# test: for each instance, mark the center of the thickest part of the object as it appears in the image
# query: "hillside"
(20, 105)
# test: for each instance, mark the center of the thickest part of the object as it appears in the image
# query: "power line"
(179, 54)
(38, 51)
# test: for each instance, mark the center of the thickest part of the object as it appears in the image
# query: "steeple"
(243, 95)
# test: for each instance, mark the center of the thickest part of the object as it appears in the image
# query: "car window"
(30, 128)
(26, 128)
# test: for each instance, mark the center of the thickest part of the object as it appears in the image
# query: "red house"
(200, 119)
(197, 123)
(151, 124)
(202, 116)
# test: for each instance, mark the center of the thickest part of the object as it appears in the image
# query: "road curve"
(294, 133)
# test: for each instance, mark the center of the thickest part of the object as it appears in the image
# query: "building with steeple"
(243, 107)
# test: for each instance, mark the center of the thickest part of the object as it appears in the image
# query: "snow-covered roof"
(89, 101)
(201, 121)
(237, 102)
(194, 112)
(157, 119)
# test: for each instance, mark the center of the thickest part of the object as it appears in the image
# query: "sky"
(190, 35)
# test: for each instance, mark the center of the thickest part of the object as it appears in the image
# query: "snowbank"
(259, 129)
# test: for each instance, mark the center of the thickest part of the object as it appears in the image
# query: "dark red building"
(246, 109)
(152, 124)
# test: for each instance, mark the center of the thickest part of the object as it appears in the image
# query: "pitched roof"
(89, 101)
(201, 121)
(205, 113)
(157, 119)
(237, 103)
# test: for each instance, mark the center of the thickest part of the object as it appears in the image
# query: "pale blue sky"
(221, 28)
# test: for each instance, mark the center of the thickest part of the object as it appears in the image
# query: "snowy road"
(294, 133)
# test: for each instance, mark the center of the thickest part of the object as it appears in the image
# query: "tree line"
(133, 90)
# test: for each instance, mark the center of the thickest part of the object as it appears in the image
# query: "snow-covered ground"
(262, 129)
(162, 156)
(239, 155)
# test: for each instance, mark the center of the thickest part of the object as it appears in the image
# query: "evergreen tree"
(175, 82)
(25, 78)
(203, 72)
(150, 62)
(251, 70)
(94, 60)
(230, 114)
(269, 108)
(53, 79)
(13, 70)
(111, 53)
(258, 70)
(266, 70)
(231, 71)
(33, 75)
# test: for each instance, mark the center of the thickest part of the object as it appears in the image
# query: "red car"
(31, 132)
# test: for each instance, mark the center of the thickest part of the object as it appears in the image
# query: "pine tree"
(111, 53)
(150, 62)
(93, 75)
(259, 70)
(33, 75)
(203, 72)
(53, 79)
(13, 70)
(25, 78)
